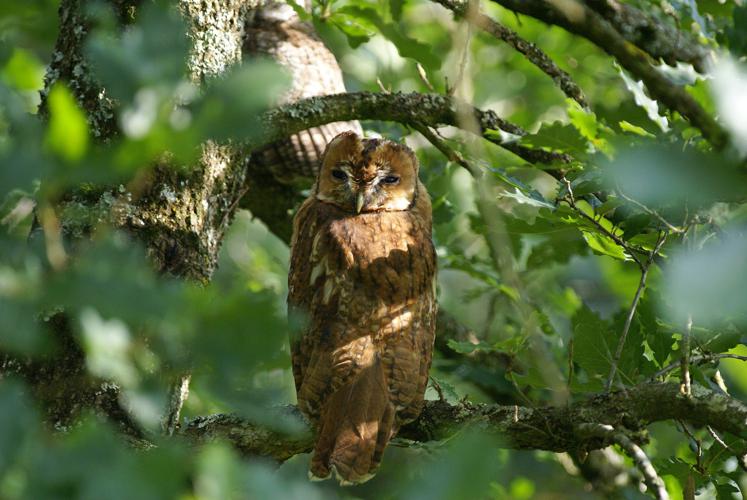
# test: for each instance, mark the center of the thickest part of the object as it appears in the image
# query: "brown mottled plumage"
(363, 274)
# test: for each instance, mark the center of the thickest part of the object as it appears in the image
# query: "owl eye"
(339, 174)
(391, 179)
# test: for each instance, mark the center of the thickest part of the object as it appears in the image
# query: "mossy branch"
(435, 110)
(557, 429)
(580, 19)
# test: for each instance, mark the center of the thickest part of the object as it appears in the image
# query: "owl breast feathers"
(363, 276)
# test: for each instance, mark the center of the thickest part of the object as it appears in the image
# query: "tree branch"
(534, 54)
(658, 39)
(548, 428)
(653, 481)
(631, 311)
(409, 109)
(697, 360)
(581, 20)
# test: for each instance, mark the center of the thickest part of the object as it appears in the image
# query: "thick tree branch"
(548, 428)
(581, 20)
(409, 109)
(660, 40)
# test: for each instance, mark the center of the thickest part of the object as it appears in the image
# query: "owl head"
(367, 175)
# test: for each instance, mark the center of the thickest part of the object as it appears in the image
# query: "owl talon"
(351, 482)
(314, 478)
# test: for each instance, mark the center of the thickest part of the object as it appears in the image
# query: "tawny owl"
(363, 275)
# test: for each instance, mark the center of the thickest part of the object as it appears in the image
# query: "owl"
(362, 274)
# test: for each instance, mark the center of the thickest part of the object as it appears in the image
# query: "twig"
(741, 457)
(698, 445)
(54, 246)
(653, 481)
(178, 394)
(696, 360)
(465, 52)
(533, 54)
(423, 76)
(686, 384)
(450, 153)
(641, 460)
(631, 312)
(651, 212)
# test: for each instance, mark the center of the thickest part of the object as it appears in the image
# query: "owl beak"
(359, 202)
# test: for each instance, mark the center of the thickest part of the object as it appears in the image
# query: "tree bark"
(557, 429)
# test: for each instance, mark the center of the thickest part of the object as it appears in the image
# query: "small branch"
(56, 254)
(581, 20)
(533, 54)
(741, 457)
(631, 312)
(685, 362)
(653, 213)
(177, 396)
(696, 360)
(641, 460)
(464, 58)
(451, 154)
(698, 445)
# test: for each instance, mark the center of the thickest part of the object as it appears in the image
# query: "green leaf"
(17, 420)
(594, 344)
(604, 245)
(557, 136)
(586, 123)
(448, 391)
(626, 126)
(658, 339)
(641, 99)
(299, 10)
(534, 199)
(709, 284)
(726, 491)
(108, 345)
(737, 34)
(395, 8)
(463, 347)
(355, 33)
(67, 134)
(152, 53)
(406, 46)
(634, 225)
(680, 469)
(24, 71)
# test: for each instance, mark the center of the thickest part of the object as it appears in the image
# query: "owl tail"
(357, 424)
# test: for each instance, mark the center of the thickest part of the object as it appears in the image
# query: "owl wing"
(315, 282)
(300, 286)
